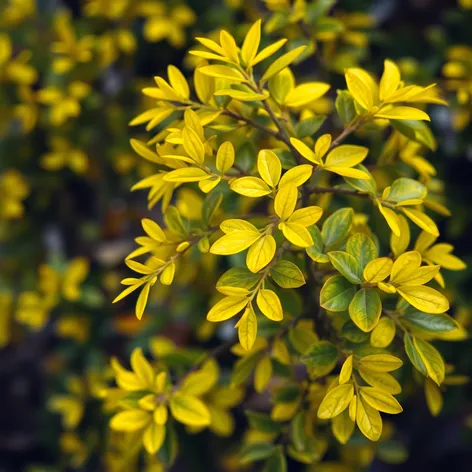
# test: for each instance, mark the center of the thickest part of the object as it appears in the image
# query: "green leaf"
(301, 339)
(298, 433)
(352, 333)
(345, 106)
(174, 221)
(430, 323)
(416, 130)
(414, 355)
(243, 368)
(404, 189)
(336, 227)
(362, 248)
(288, 394)
(240, 277)
(309, 127)
(277, 463)
(287, 275)
(256, 452)
(337, 293)
(346, 265)
(363, 185)
(210, 206)
(321, 357)
(263, 422)
(316, 251)
(365, 309)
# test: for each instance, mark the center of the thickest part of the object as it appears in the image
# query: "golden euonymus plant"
(320, 243)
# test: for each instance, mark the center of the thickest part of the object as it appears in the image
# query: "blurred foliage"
(71, 75)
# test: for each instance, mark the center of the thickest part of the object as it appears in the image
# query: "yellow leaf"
(400, 243)
(229, 46)
(296, 175)
(261, 253)
(380, 400)
(153, 230)
(381, 362)
(402, 113)
(405, 267)
(268, 51)
(167, 275)
(346, 371)
(346, 156)
(142, 368)
(383, 333)
(305, 151)
(322, 145)
(144, 151)
(250, 187)
(297, 234)
(269, 304)
(227, 308)
(241, 95)
(142, 301)
(353, 408)
(225, 157)
(282, 62)
(222, 72)
(391, 218)
(424, 298)
(342, 427)
(231, 225)
(336, 401)
(368, 420)
(381, 380)
(377, 270)
(211, 45)
(434, 398)
(285, 201)
(247, 328)
(130, 420)
(251, 43)
(348, 172)
(153, 438)
(262, 374)
(305, 93)
(186, 174)
(422, 220)
(193, 145)
(306, 216)
(389, 81)
(234, 242)
(422, 275)
(206, 186)
(361, 87)
(269, 167)
(178, 82)
(189, 410)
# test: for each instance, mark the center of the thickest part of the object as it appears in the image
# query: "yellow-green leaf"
(380, 400)
(247, 328)
(189, 410)
(381, 362)
(402, 113)
(383, 334)
(377, 270)
(234, 242)
(424, 298)
(368, 420)
(186, 174)
(251, 43)
(336, 401)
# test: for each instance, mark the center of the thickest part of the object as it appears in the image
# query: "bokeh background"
(70, 80)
